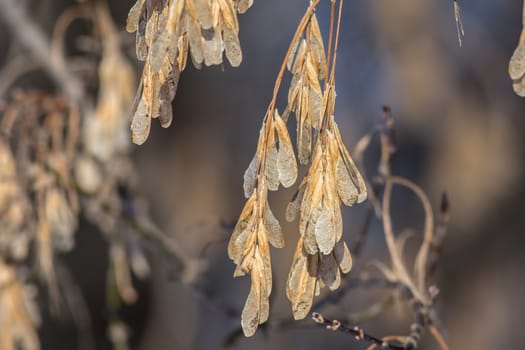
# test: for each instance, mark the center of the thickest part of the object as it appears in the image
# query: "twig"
(298, 32)
(32, 37)
(358, 333)
(439, 236)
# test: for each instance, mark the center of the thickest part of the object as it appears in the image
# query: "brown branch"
(300, 28)
(436, 247)
(34, 40)
(358, 333)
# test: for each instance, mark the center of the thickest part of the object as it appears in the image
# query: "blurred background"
(459, 127)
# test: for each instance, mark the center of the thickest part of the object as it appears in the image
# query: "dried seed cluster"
(517, 63)
(321, 254)
(274, 163)
(331, 180)
(42, 187)
(169, 30)
(307, 63)
(15, 209)
(18, 312)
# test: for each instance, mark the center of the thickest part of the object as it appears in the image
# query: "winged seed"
(329, 272)
(286, 163)
(273, 228)
(517, 63)
(343, 257)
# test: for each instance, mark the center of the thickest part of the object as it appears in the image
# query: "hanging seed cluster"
(517, 63)
(273, 164)
(169, 30)
(38, 191)
(307, 63)
(19, 314)
(332, 179)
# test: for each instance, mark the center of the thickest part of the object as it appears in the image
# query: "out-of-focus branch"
(34, 40)
(358, 333)
(440, 232)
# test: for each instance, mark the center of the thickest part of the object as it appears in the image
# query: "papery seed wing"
(311, 199)
(300, 285)
(166, 114)
(229, 16)
(304, 128)
(286, 163)
(271, 169)
(160, 40)
(132, 22)
(262, 257)
(195, 40)
(353, 172)
(250, 313)
(324, 230)
(519, 87)
(293, 91)
(329, 272)
(141, 123)
(517, 62)
(243, 231)
(203, 12)
(250, 176)
(265, 277)
(295, 204)
(345, 187)
(317, 48)
(213, 48)
(232, 46)
(244, 5)
(247, 261)
(273, 228)
(182, 53)
(293, 53)
(294, 276)
(343, 257)
(299, 57)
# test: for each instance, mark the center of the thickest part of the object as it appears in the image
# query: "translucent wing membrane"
(166, 33)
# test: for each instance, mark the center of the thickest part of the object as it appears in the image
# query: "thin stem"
(298, 32)
(332, 73)
(422, 255)
(358, 333)
(32, 37)
(330, 38)
(439, 337)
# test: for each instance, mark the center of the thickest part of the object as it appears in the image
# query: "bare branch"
(32, 37)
